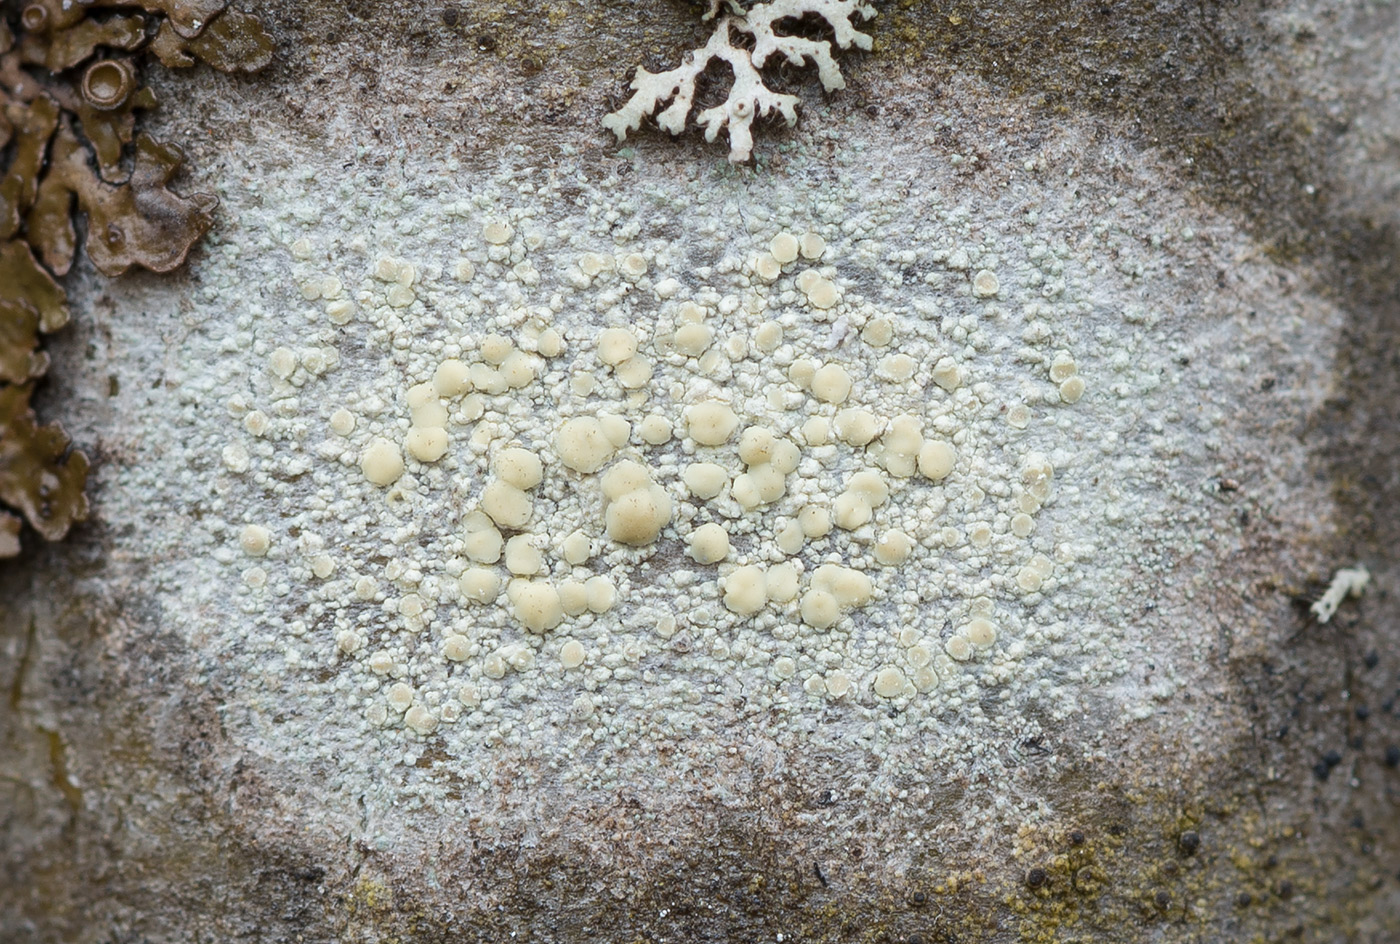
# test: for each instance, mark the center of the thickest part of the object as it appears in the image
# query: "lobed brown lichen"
(70, 87)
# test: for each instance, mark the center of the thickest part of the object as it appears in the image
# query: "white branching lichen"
(749, 96)
(1349, 581)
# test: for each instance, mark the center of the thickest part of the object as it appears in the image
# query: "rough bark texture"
(146, 794)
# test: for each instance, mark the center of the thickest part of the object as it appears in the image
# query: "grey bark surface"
(140, 800)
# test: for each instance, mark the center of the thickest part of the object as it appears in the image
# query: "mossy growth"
(70, 87)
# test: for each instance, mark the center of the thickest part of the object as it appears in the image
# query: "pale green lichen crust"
(868, 481)
(567, 479)
(799, 465)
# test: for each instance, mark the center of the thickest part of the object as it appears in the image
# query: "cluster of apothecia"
(514, 503)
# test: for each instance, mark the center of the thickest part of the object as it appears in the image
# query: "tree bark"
(1198, 205)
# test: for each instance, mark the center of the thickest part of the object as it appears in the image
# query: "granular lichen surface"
(543, 475)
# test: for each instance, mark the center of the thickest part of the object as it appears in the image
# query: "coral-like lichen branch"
(749, 97)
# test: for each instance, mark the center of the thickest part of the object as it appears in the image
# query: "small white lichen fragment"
(400, 696)
(767, 267)
(784, 248)
(980, 632)
(257, 423)
(572, 654)
(342, 422)
(692, 340)
(452, 378)
(507, 505)
(852, 510)
(420, 719)
(573, 597)
(878, 332)
(896, 368)
(655, 430)
(760, 485)
(1062, 366)
(782, 583)
(495, 348)
(236, 458)
(1030, 577)
(857, 427)
(634, 373)
(456, 648)
(522, 558)
(497, 232)
(638, 517)
(893, 548)
(626, 476)
(902, 443)
(482, 543)
(1348, 581)
(283, 362)
(576, 548)
(615, 428)
(821, 293)
(815, 521)
(833, 590)
(602, 594)
(425, 407)
(947, 375)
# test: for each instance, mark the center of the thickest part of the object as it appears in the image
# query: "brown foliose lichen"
(235, 42)
(39, 475)
(70, 87)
